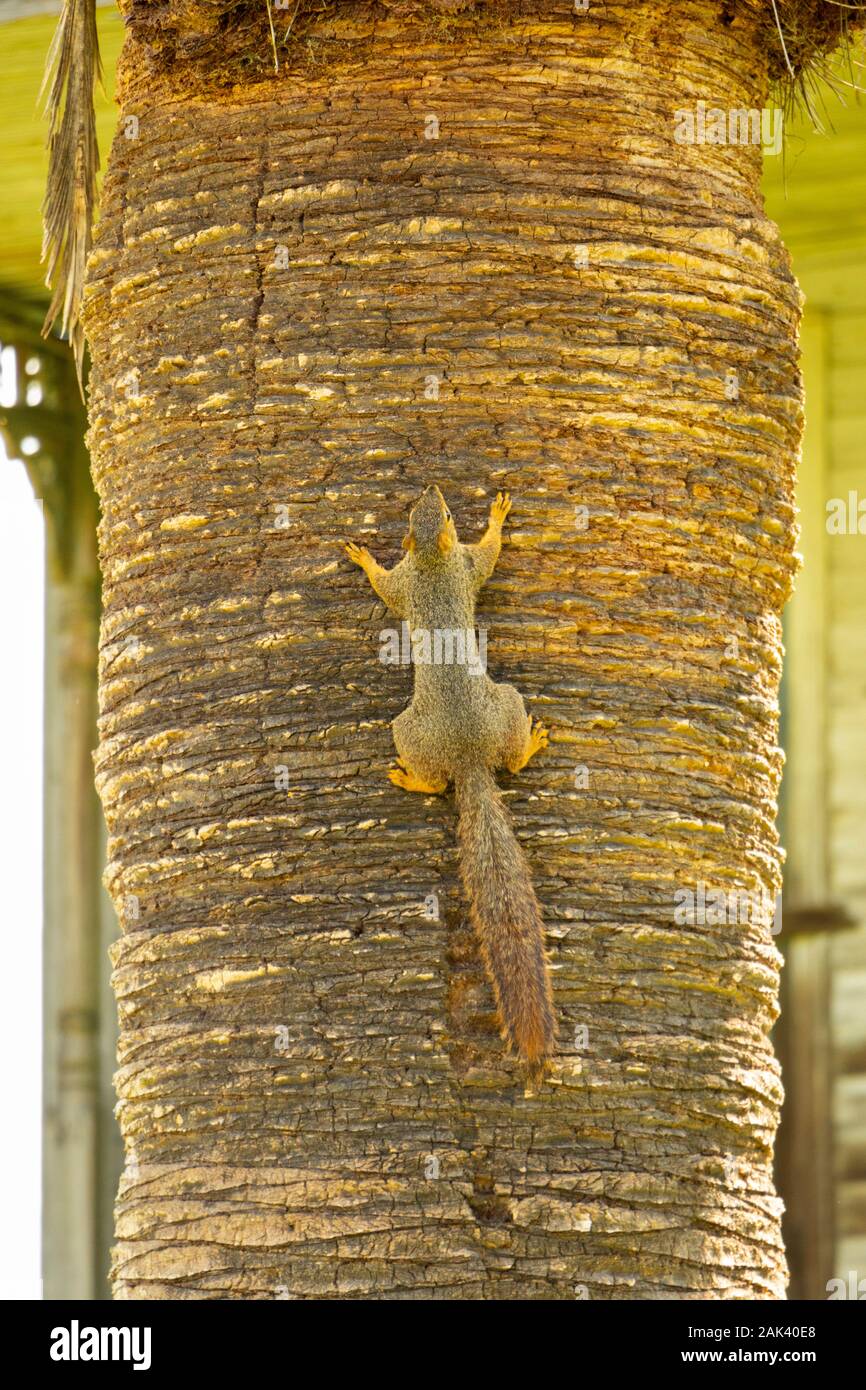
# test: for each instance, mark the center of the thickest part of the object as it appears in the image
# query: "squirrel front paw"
(538, 735)
(500, 508)
(358, 554)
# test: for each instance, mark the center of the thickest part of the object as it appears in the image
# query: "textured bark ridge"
(481, 259)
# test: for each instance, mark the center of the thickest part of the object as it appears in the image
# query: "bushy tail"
(505, 914)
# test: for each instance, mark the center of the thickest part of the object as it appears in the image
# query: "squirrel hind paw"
(411, 782)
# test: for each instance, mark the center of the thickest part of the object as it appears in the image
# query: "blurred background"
(62, 1155)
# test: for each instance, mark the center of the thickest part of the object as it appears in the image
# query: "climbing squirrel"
(459, 727)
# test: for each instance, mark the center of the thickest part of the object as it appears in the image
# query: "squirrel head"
(432, 533)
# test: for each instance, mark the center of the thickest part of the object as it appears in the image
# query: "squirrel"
(461, 726)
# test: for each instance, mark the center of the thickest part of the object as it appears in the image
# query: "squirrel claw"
(536, 739)
(358, 554)
(539, 735)
(501, 507)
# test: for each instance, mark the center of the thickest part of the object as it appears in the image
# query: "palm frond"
(71, 69)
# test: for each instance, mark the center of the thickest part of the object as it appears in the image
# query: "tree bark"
(472, 253)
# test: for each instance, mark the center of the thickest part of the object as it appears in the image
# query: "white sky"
(21, 642)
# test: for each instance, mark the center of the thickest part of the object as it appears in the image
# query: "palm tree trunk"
(473, 253)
